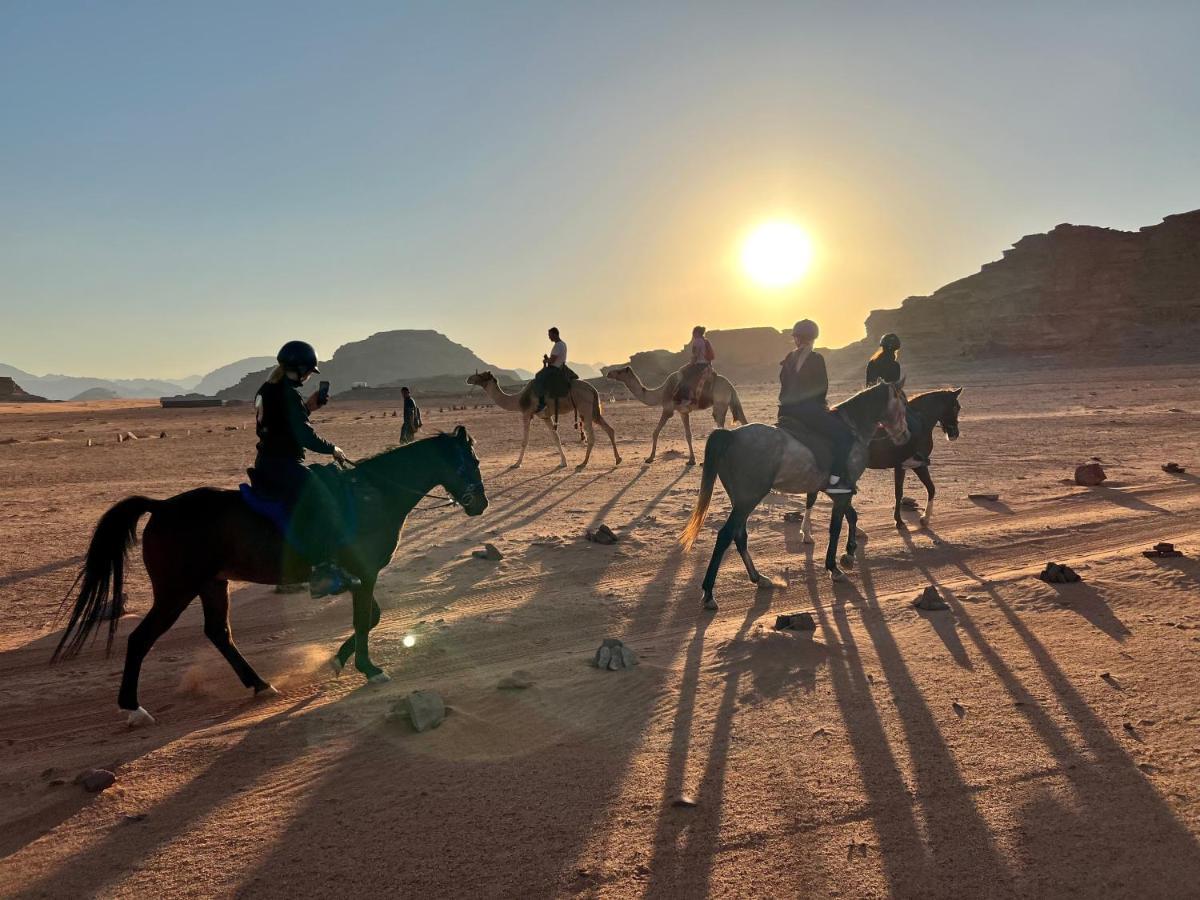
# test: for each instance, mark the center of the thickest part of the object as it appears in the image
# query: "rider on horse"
(803, 385)
(884, 365)
(284, 434)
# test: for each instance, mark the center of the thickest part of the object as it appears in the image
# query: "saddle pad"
(819, 445)
(277, 511)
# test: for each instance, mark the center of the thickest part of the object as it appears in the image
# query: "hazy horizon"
(185, 187)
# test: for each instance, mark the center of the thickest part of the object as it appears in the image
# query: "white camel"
(724, 399)
(586, 402)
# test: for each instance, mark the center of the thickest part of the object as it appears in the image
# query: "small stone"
(489, 552)
(931, 600)
(130, 818)
(1173, 468)
(96, 780)
(517, 681)
(795, 622)
(1090, 474)
(423, 709)
(958, 708)
(601, 535)
(612, 654)
(684, 801)
(1059, 574)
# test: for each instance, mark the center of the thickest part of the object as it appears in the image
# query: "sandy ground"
(1034, 740)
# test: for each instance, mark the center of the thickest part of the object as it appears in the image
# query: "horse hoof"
(337, 665)
(515, 466)
(690, 462)
(710, 604)
(267, 690)
(138, 717)
(618, 462)
(765, 583)
(847, 560)
(837, 575)
(379, 678)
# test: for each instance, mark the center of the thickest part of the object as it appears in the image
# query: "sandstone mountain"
(229, 375)
(386, 358)
(11, 392)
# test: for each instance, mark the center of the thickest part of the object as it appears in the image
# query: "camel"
(586, 402)
(724, 399)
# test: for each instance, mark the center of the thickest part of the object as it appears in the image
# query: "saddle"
(278, 509)
(687, 393)
(818, 444)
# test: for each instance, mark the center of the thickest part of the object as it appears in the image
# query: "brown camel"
(586, 404)
(724, 398)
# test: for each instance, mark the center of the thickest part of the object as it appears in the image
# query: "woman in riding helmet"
(803, 384)
(284, 434)
(884, 365)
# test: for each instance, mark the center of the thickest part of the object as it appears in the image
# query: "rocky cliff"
(1076, 294)
(10, 392)
(383, 359)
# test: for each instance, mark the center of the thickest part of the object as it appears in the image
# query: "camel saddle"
(818, 445)
(684, 393)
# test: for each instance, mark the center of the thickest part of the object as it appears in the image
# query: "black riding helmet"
(890, 342)
(298, 355)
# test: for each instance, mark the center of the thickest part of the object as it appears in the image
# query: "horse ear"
(957, 392)
(460, 432)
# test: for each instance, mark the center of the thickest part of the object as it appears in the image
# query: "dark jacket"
(809, 385)
(885, 367)
(283, 429)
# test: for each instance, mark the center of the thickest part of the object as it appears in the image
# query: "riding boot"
(328, 579)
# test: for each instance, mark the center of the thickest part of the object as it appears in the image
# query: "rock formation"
(11, 392)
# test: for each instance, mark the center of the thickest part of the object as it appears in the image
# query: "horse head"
(460, 473)
(949, 417)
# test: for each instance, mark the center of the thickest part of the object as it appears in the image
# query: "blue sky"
(182, 185)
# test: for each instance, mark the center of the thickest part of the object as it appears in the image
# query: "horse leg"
(742, 541)
(927, 480)
(662, 420)
(364, 606)
(732, 527)
(612, 437)
(852, 538)
(899, 473)
(524, 441)
(214, 597)
(163, 614)
(840, 502)
(562, 457)
(339, 659)
(687, 433)
(591, 442)
(806, 522)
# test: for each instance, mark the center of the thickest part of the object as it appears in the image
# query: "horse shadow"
(997, 506)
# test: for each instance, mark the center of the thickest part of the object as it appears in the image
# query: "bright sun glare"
(776, 254)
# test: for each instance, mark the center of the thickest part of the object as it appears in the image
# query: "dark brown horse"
(925, 411)
(196, 542)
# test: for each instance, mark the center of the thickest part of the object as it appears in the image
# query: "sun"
(776, 254)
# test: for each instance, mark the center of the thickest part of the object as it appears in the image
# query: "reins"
(352, 466)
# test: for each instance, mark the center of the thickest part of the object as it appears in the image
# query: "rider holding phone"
(284, 434)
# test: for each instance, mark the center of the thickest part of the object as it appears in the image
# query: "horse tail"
(735, 406)
(102, 576)
(715, 448)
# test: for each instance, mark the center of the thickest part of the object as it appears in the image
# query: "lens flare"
(409, 640)
(776, 254)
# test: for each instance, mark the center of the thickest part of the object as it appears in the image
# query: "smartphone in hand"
(323, 393)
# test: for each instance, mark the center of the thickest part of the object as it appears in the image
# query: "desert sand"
(1031, 740)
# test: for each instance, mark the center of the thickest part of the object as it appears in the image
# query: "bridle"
(462, 470)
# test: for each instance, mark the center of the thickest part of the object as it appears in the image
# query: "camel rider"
(693, 375)
(884, 365)
(803, 385)
(284, 434)
(554, 377)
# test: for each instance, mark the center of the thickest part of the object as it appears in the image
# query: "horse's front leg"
(364, 605)
(342, 657)
(927, 480)
(835, 533)
(852, 537)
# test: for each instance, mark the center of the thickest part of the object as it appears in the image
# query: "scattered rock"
(489, 552)
(613, 655)
(601, 535)
(1173, 468)
(423, 709)
(992, 498)
(685, 801)
(959, 709)
(795, 622)
(95, 780)
(1162, 549)
(131, 818)
(161, 435)
(517, 681)
(1090, 474)
(930, 600)
(1056, 574)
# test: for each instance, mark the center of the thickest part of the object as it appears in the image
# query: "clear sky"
(185, 184)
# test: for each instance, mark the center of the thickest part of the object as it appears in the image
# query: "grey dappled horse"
(755, 459)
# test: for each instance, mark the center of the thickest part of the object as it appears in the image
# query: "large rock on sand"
(1090, 474)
